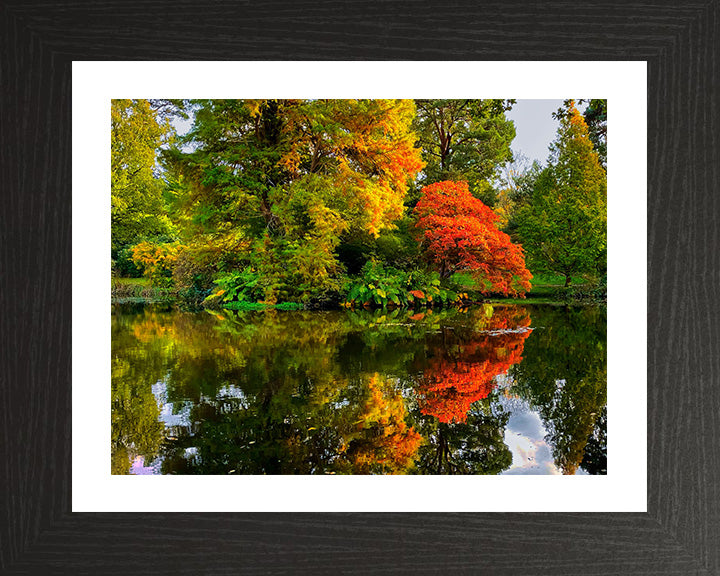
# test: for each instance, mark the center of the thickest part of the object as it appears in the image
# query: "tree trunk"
(266, 210)
(567, 280)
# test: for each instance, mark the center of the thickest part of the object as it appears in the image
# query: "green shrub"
(236, 286)
(195, 268)
(383, 286)
(124, 266)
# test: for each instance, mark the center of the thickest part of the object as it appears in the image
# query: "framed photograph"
(351, 323)
(348, 295)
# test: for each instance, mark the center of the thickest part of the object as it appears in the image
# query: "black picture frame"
(680, 533)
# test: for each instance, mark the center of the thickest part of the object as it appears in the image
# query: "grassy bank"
(546, 289)
(141, 291)
(551, 288)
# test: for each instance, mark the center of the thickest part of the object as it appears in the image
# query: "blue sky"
(535, 127)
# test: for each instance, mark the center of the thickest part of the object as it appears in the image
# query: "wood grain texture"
(681, 532)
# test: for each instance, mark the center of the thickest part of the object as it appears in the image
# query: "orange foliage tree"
(284, 180)
(450, 384)
(461, 234)
(354, 156)
(156, 261)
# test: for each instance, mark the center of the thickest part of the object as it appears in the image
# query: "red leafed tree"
(450, 384)
(460, 234)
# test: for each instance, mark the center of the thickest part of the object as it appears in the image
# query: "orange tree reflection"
(465, 367)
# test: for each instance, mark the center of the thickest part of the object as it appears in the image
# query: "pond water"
(486, 390)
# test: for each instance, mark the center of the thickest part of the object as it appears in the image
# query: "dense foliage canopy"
(414, 208)
(364, 202)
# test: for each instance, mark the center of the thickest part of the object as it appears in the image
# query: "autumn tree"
(595, 116)
(564, 226)
(460, 233)
(288, 178)
(464, 140)
(138, 211)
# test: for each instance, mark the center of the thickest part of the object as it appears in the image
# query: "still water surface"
(488, 390)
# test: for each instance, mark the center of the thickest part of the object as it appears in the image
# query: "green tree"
(464, 140)
(138, 209)
(515, 192)
(564, 227)
(564, 377)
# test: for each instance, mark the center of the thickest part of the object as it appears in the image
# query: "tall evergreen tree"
(564, 227)
(596, 119)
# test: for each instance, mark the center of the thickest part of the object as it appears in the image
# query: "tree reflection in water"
(331, 392)
(465, 435)
(564, 377)
(464, 365)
